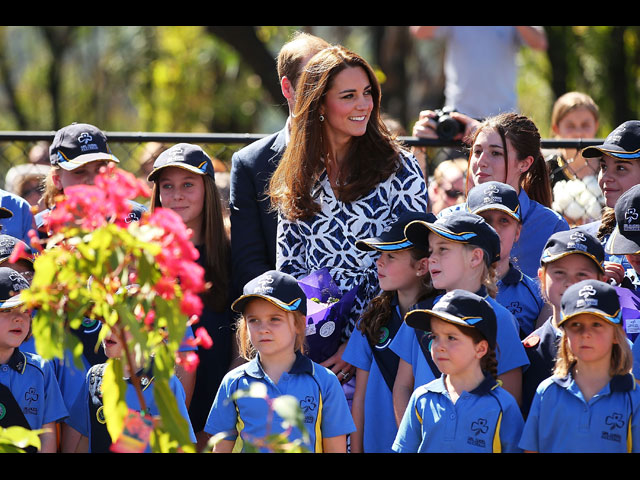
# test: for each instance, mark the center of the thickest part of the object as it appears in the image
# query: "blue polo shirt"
(510, 352)
(317, 389)
(485, 420)
(635, 350)
(541, 347)
(379, 421)
(521, 296)
(561, 421)
(33, 384)
(538, 224)
(22, 221)
(79, 415)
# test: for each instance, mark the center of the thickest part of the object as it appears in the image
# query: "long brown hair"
(525, 138)
(372, 158)
(216, 244)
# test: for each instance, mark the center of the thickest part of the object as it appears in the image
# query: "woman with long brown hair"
(343, 177)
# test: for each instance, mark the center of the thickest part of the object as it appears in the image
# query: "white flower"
(578, 199)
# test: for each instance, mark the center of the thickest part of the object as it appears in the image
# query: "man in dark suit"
(253, 224)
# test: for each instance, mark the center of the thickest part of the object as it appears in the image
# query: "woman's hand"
(613, 271)
(343, 370)
(426, 125)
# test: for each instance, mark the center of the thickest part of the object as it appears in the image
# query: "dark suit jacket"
(253, 225)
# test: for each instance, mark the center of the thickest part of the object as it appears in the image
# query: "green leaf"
(114, 388)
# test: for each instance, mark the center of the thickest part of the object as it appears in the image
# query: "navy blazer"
(253, 224)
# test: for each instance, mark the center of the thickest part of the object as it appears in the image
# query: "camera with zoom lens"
(447, 127)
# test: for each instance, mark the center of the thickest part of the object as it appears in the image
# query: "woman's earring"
(322, 118)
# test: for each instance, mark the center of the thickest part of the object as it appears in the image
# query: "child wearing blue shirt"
(271, 334)
(463, 251)
(568, 257)
(498, 204)
(403, 275)
(591, 403)
(87, 414)
(465, 410)
(29, 393)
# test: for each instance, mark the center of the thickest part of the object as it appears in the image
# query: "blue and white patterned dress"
(328, 239)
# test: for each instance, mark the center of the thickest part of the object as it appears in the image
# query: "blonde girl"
(271, 332)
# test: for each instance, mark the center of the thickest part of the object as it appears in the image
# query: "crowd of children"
(498, 324)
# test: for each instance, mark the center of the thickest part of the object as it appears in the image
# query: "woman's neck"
(502, 267)
(196, 233)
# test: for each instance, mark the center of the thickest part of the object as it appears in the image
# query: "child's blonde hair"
(488, 276)
(248, 351)
(621, 356)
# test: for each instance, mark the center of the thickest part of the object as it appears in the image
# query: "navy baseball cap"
(183, 155)
(394, 238)
(461, 227)
(78, 144)
(494, 196)
(622, 143)
(5, 213)
(593, 297)
(625, 238)
(459, 307)
(8, 244)
(11, 283)
(279, 288)
(574, 241)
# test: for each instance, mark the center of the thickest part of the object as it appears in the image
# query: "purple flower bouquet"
(630, 306)
(327, 312)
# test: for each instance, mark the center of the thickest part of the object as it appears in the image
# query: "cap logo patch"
(586, 292)
(630, 216)
(577, 237)
(490, 195)
(264, 286)
(84, 139)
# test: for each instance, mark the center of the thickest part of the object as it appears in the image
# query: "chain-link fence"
(24, 162)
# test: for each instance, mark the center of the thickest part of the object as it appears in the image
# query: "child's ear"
(482, 347)
(477, 257)
(422, 268)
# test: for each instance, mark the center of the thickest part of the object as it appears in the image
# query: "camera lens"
(447, 127)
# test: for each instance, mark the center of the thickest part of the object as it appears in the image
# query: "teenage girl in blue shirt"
(591, 404)
(619, 157)
(498, 204)
(271, 334)
(466, 409)
(506, 148)
(403, 275)
(463, 251)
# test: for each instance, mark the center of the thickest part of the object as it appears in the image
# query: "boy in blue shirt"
(29, 394)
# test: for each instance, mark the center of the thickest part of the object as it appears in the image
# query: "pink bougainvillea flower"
(188, 360)
(204, 340)
(191, 304)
